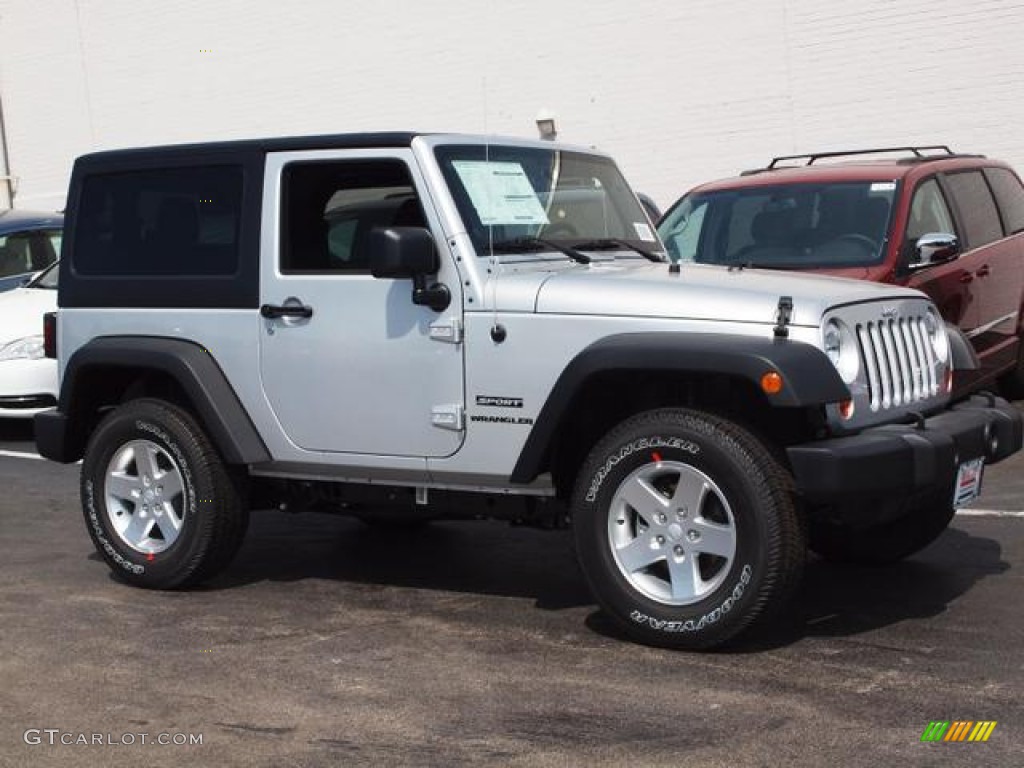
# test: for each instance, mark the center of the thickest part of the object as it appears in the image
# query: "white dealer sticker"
(500, 192)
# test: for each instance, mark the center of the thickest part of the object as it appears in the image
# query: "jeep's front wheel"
(159, 503)
(686, 528)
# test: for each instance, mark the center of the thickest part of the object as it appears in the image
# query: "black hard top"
(179, 152)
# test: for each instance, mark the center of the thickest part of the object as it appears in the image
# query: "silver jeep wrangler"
(406, 327)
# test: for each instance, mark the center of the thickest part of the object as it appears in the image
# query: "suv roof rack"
(918, 155)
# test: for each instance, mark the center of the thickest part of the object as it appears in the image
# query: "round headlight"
(937, 336)
(833, 342)
(841, 349)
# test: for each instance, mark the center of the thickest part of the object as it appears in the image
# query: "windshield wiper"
(526, 244)
(611, 243)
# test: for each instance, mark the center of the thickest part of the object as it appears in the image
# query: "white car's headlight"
(841, 348)
(937, 336)
(28, 348)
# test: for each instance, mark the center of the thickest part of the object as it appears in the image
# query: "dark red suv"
(950, 225)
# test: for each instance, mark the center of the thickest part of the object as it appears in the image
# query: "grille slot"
(899, 360)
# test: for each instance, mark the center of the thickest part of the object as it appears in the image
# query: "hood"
(700, 292)
(21, 312)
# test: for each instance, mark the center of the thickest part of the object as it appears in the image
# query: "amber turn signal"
(846, 409)
(771, 383)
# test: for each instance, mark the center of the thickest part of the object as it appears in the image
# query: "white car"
(28, 379)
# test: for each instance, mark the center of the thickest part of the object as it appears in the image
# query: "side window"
(330, 207)
(1010, 196)
(928, 212)
(974, 201)
(682, 235)
(15, 254)
(169, 221)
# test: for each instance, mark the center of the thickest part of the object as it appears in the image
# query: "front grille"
(900, 362)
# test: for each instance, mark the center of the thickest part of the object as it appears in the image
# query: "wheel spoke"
(638, 554)
(123, 486)
(715, 539)
(170, 484)
(685, 578)
(645, 499)
(139, 529)
(168, 522)
(145, 459)
(691, 490)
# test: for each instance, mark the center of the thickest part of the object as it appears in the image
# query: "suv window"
(22, 252)
(169, 221)
(795, 225)
(1010, 195)
(974, 201)
(330, 207)
(929, 213)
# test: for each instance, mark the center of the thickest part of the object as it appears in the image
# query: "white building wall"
(679, 92)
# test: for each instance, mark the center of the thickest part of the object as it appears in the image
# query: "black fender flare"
(60, 434)
(808, 377)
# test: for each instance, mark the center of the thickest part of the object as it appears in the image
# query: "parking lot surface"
(330, 643)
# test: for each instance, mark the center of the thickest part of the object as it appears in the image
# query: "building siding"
(679, 92)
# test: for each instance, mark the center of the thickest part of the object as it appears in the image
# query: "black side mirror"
(934, 248)
(409, 252)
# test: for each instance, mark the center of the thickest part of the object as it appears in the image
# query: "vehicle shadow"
(478, 557)
(17, 430)
(493, 558)
(844, 600)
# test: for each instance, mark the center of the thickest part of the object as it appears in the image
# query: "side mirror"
(934, 248)
(408, 252)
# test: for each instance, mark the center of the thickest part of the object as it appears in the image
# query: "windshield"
(526, 199)
(796, 226)
(46, 279)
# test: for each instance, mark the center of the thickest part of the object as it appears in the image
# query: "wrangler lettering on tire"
(686, 528)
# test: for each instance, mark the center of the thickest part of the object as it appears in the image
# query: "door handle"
(983, 271)
(272, 311)
(966, 277)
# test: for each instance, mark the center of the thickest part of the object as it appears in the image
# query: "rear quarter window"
(973, 200)
(1010, 196)
(177, 221)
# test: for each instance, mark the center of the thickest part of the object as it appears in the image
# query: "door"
(994, 261)
(947, 284)
(348, 362)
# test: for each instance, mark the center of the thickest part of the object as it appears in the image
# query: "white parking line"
(988, 513)
(21, 455)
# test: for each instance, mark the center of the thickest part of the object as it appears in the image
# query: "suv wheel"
(158, 501)
(686, 528)
(1012, 383)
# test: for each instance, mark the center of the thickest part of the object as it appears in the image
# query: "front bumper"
(899, 461)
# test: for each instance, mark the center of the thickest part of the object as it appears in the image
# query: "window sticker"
(883, 186)
(500, 192)
(643, 231)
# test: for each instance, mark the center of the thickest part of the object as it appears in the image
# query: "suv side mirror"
(408, 252)
(934, 248)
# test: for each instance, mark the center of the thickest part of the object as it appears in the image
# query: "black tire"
(1012, 383)
(750, 498)
(886, 543)
(207, 519)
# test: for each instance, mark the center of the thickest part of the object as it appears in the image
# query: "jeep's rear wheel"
(158, 501)
(686, 528)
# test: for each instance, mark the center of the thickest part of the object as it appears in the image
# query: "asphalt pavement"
(329, 643)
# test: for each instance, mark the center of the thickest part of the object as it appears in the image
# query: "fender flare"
(60, 434)
(809, 378)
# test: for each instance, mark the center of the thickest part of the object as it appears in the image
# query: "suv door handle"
(983, 271)
(966, 277)
(272, 311)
